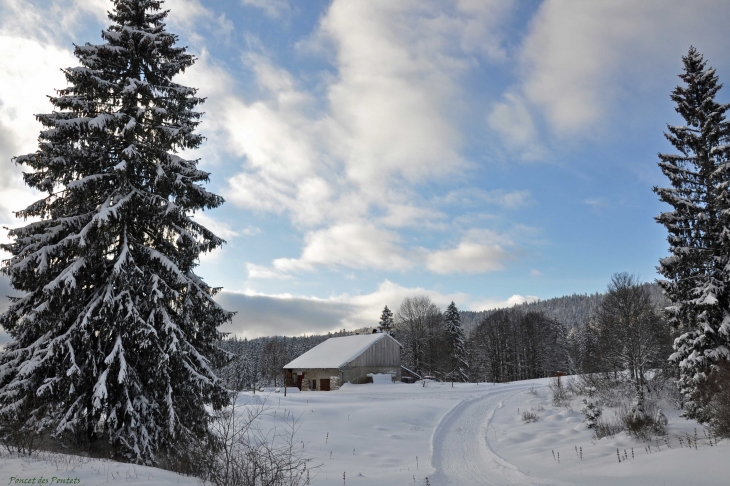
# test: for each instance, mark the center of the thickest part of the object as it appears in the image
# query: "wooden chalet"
(348, 359)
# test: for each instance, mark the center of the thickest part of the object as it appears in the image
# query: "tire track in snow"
(460, 453)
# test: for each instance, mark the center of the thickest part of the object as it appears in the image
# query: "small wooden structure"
(408, 376)
(346, 359)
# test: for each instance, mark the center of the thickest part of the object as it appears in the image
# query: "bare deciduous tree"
(418, 322)
(632, 334)
(273, 358)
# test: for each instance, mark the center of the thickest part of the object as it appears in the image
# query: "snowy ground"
(471, 434)
(52, 469)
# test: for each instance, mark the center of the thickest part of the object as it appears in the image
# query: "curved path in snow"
(461, 454)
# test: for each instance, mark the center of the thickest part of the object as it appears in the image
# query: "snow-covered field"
(397, 434)
(52, 469)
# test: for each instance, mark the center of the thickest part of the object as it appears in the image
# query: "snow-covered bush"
(590, 410)
(575, 385)
(561, 395)
(640, 420)
(610, 388)
(529, 416)
(607, 428)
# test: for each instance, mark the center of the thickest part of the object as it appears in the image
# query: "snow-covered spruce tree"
(459, 360)
(386, 321)
(114, 338)
(590, 410)
(696, 271)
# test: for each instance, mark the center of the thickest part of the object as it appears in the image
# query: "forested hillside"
(571, 310)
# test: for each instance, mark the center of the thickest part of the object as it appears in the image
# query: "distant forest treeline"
(525, 341)
(572, 311)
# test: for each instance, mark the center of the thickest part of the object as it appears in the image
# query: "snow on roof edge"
(336, 351)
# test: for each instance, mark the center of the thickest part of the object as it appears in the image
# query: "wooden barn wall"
(384, 352)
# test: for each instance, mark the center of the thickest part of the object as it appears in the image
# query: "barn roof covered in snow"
(336, 352)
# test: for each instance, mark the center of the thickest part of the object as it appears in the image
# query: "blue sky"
(486, 152)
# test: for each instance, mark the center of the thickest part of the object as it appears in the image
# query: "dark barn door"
(324, 385)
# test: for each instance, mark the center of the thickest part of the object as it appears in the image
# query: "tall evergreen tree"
(459, 360)
(115, 337)
(386, 321)
(696, 271)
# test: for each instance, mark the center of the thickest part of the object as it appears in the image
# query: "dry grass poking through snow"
(529, 416)
(561, 446)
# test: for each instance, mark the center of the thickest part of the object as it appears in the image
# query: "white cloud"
(251, 231)
(481, 29)
(468, 257)
(477, 197)
(488, 304)
(390, 124)
(354, 245)
(480, 251)
(267, 315)
(272, 8)
(597, 202)
(29, 19)
(220, 229)
(187, 13)
(512, 120)
(26, 84)
(405, 215)
(363, 245)
(261, 272)
(579, 56)
(393, 102)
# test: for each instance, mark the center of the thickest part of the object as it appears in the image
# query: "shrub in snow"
(247, 453)
(637, 409)
(590, 410)
(611, 389)
(607, 428)
(640, 420)
(529, 416)
(560, 393)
